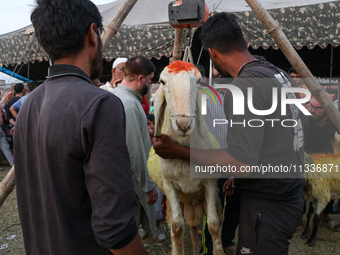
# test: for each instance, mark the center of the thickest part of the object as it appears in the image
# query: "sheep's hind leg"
(177, 223)
(193, 215)
(193, 233)
(213, 222)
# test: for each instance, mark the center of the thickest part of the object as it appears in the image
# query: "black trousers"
(266, 226)
(230, 223)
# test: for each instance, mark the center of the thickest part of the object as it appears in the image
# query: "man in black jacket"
(74, 183)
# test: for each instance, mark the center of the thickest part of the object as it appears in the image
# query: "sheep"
(323, 184)
(178, 115)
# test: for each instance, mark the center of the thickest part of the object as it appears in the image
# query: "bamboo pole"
(275, 31)
(113, 27)
(177, 54)
(7, 185)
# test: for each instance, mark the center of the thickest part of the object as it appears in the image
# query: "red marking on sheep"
(179, 66)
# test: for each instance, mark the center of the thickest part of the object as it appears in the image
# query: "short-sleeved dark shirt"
(271, 144)
(74, 183)
(318, 139)
(9, 104)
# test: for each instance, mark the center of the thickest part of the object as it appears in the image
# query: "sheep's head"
(178, 90)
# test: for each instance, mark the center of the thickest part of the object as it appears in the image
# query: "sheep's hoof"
(310, 243)
(304, 235)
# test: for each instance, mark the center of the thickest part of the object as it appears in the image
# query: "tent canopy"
(150, 12)
(146, 29)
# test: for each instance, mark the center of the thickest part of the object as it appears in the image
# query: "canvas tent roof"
(146, 30)
(156, 11)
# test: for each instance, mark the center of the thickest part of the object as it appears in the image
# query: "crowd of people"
(83, 185)
(10, 104)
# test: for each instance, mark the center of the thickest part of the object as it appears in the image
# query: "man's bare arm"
(14, 112)
(168, 149)
(12, 121)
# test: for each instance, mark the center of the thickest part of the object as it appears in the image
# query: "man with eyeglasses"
(72, 169)
(117, 74)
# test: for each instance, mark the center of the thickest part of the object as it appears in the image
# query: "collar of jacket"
(66, 70)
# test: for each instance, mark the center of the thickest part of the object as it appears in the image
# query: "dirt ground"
(328, 241)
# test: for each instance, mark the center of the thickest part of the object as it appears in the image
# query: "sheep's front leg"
(310, 215)
(320, 207)
(211, 197)
(177, 222)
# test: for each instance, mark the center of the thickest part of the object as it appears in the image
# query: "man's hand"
(116, 82)
(165, 147)
(227, 187)
(12, 121)
(152, 196)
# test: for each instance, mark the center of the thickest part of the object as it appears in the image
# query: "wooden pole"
(113, 27)
(7, 185)
(177, 54)
(275, 31)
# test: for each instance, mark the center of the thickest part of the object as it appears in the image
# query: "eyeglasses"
(122, 68)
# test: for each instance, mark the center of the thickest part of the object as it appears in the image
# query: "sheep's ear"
(159, 107)
(199, 116)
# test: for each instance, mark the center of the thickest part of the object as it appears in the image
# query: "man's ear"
(140, 78)
(213, 53)
(93, 36)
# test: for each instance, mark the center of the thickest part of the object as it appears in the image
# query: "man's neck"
(81, 61)
(130, 83)
(320, 123)
(237, 60)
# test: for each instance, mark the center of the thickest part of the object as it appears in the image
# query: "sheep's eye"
(162, 82)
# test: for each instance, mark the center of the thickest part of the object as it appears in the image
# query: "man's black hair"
(33, 85)
(291, 70)
(18, 88)
(223, 33)
(150, 117)
(138, 65)
(61, 25)
(201, 69)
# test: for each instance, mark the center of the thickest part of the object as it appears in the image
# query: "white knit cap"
(118, 61)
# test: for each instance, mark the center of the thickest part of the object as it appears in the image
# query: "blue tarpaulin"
(14, 75)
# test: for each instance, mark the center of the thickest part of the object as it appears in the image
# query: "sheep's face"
(179, 85)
